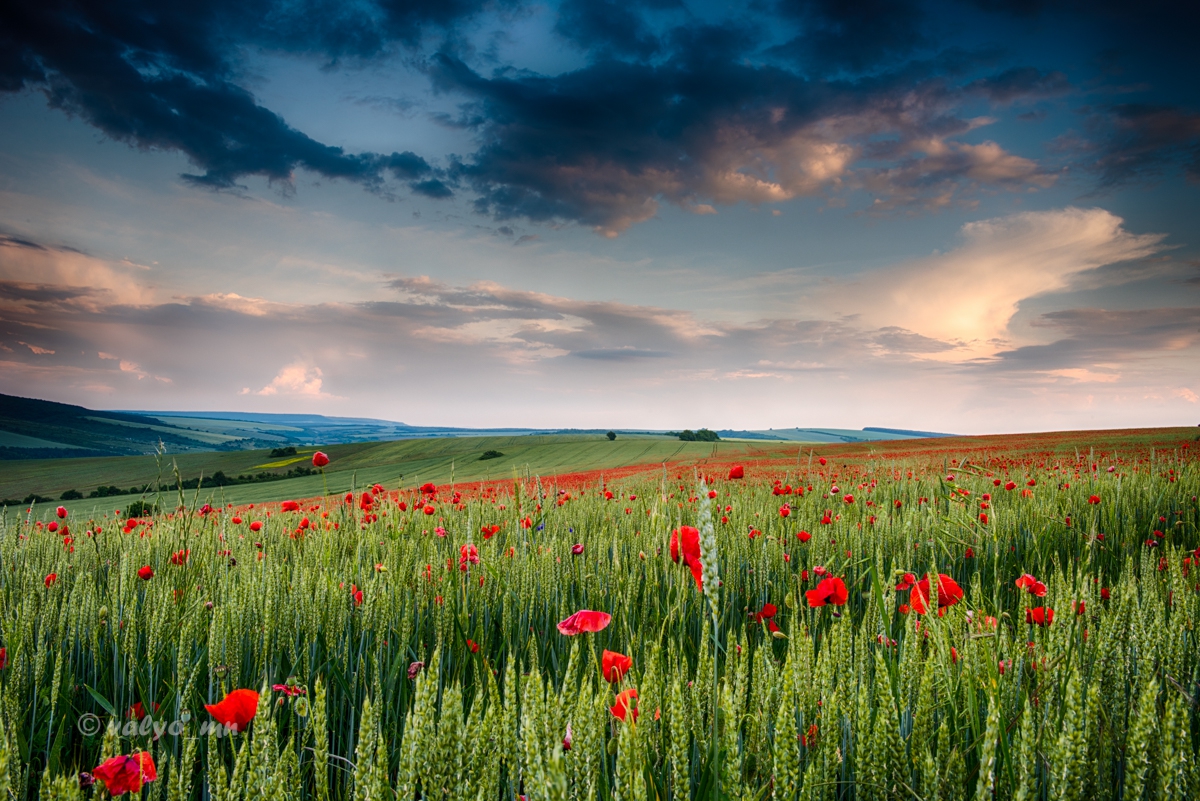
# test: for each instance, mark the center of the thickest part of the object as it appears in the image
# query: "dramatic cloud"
(668, 108)
(966, 298)
(1135, 141)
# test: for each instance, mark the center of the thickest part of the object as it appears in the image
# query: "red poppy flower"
(50, 579)
(126, 774)
(290, 506)
(1105, 594)
(577, 548)
(3, 658)
(145, 572)
(1039, 615)
(768, 611)
(1010, 486)
(428, 509)
(735, 472)
(803, 536)
(181, 557)
(687, 540)
(489, 531)
(948, 593)
(1095, 499)
(614, 666)
(830, 591)
(320, 459)
(429, 489)
(356, 594)
(256, 526)
(905, 609)
(623, 704)
(906, 582)
(236, 710)
(584, 620)
(697, 568)
(474, 646)
(1031, 585)
(61, 512)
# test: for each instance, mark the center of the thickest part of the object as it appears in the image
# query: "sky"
(972, 217)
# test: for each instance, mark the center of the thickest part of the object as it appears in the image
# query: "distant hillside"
(38, 429)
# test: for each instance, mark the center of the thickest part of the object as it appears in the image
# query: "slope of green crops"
(425, 674)
(394, 464)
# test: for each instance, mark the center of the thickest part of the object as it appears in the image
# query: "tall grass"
(860, 701)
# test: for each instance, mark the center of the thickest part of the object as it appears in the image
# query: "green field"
(988, 619)
(403, 463)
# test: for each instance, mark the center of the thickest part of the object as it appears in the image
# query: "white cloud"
(297, 379)
(969, 295)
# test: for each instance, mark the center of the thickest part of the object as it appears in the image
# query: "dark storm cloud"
(1104, 336)
(603, 144)
(855, 35)
(40, 293)
(1138, 141)
(164, 76)
(612, 27)
(668, 108)
(1023, 83)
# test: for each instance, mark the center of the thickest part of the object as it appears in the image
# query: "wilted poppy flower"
(414, 668)
(906, 582)
(320, 459)
(830, 591)
(948, 593)
(614, 666)
(1039, 615)
(145, 572)
(685, 539)
(568, 739)
(236, 710)
(126, 774)
(735, 472)
(624, 704)
(1031, 585)
(584, 620)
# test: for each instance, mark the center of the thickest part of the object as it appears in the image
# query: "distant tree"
(290, 450)
(490, 455)
(71, 495)
(703, 435)
(611, 435)
(140, 509)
